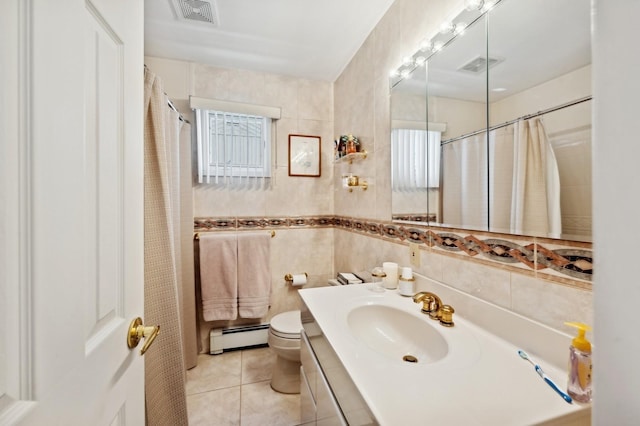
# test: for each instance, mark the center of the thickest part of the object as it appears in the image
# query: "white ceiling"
(302, 38)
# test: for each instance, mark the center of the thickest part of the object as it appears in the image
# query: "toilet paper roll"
(299, 279)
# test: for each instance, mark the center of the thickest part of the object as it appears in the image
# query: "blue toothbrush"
(546, 378)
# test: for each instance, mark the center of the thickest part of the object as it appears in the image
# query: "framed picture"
(304, 155)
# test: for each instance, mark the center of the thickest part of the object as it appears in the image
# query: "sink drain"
(410, 358)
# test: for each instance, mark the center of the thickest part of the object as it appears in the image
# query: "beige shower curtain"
(164, 362)
(535, 202)
(524, 180)
(464, 182)
(501, 147)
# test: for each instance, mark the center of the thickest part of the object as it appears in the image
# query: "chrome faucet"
(432, 305)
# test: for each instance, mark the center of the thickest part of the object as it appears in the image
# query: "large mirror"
(509, 103)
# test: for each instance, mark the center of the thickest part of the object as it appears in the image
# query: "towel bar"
(196, 236)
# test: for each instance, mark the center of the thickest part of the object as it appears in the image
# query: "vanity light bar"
(448, 31)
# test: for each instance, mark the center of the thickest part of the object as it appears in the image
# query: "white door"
(71, 211)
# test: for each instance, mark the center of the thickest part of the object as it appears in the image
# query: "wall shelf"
(358, 183)
(362, 185)
(350, 158)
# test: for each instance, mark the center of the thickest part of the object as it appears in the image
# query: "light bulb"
(472, 5)
(407, 61)
(459, 28)
(446, 27)
(488, 5)
(426, 45)
(437, 46)
(394, 73)
(420, 60)
(405, 73)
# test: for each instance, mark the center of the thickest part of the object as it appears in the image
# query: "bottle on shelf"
(351, 145)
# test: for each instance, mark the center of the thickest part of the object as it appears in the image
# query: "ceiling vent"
(479, 64)
(196, 10)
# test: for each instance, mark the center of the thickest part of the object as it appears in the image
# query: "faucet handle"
(446, 315)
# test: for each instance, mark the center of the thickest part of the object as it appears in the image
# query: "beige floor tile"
(257, 365)
(219, 407)
(215, 372)
(216, 396)
(262, 406)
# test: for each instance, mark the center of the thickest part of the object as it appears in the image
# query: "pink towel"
(219, 276)
(254, 274)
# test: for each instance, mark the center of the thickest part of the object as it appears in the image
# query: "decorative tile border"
(204, 224)
(424, 217)
(570, 261)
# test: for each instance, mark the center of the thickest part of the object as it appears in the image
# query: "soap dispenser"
(579, 383)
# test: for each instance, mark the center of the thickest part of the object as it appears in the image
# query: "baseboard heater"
(239, 337)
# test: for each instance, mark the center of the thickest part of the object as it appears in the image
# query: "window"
(416, 159)
(232, 145)
(234, 141)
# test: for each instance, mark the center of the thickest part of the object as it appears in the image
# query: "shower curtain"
(464, 182)
(536, 187)
(525, 183)
(165, 395)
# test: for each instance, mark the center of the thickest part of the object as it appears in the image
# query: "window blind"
(233, 148)
(415, 159)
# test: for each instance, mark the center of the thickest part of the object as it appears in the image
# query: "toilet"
(284, 339)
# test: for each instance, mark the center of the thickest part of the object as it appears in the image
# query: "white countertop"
(482, 381)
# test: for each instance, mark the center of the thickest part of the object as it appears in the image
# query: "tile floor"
(233, 389)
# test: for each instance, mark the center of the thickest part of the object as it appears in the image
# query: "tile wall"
(306, 108)
(531, 279)
(546, 280)
(514, 272)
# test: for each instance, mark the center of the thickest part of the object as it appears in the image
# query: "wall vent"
(196, 10)
(479, 64)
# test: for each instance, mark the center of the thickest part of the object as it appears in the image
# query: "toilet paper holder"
(289, 277)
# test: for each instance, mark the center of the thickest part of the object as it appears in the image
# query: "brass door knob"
(138, 331)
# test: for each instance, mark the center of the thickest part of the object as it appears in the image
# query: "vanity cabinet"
(307, 403)
(318, 406)
(329, 397)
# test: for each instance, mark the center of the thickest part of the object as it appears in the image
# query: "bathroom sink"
(397, 335)
(361, 340)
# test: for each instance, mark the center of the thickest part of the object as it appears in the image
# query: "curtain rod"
(524, 117)
(172, 106)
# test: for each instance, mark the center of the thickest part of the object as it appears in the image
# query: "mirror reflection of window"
(416, 160)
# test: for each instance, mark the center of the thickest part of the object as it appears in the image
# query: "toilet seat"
(286, 325)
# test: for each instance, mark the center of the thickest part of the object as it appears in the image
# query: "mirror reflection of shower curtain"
(464, 182)
(524, 180)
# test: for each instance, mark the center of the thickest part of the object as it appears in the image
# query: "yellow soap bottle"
(579, 383)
